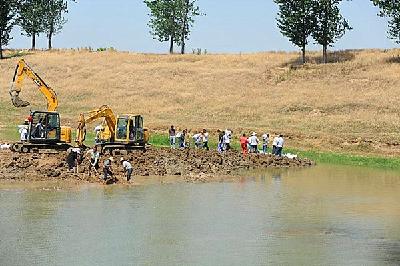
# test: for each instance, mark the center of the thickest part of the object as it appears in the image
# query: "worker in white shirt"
(227, 140)
(23, 131)
(197, 140)
(279, 146)
(205, 139)
(128, 169)
(254, 143)
(274, 143)
(265, 138)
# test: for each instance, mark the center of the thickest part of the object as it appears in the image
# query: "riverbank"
(187, 165)
(326, 157)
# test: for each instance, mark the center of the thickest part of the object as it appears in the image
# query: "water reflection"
(317, 216)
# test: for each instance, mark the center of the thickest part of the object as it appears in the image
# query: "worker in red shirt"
(243, 143)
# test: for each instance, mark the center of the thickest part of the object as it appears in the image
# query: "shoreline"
(318, 156)
(155, 165)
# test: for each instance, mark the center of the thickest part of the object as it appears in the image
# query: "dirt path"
(179, 165)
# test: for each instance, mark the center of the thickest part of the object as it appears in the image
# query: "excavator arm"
(103, 112)
(21, 72)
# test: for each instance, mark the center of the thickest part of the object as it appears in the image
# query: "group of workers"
(248, 144)
(200, 139)
(75, 158)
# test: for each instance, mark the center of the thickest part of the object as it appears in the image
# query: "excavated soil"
(185, 165)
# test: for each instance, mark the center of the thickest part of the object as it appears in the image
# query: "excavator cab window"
(45, 126)
(139, 128)
(122, 128)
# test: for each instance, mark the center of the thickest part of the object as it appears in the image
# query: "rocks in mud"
(193, 165)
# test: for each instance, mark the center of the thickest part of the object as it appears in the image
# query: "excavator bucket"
(16, 100)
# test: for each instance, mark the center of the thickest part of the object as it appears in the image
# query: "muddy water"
(320, 216)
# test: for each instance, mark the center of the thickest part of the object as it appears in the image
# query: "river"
(326, 215)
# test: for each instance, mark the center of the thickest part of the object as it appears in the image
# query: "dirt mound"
(191, 165)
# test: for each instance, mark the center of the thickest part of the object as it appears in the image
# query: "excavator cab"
(44, 127)
(129, 129)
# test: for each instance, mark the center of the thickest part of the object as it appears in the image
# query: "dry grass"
(350, 105)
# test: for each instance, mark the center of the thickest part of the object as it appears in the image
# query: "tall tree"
(163, 22)
(329, 24)
(54, 20)
(31, 18)
(295, 21)
(187, 11)
(7, 21)
(390, 9)
(172, 20)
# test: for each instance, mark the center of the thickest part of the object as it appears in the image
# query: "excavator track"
(24, 147)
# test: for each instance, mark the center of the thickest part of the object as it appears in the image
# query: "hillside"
(351, 105)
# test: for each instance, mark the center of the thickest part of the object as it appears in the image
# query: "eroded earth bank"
(179, 165)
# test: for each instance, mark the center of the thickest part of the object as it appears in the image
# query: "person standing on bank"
(205, 139)
(254, 142)
(279, 145)
(274, 143)
(265, 139)
(128, 169)
(172, 137)
(243, 144)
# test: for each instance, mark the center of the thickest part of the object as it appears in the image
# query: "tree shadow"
(333, 57)
(393, 59)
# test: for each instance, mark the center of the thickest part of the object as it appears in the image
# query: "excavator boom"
(21, 72)
(103, 112)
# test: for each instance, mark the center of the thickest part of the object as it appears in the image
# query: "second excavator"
(117, 134)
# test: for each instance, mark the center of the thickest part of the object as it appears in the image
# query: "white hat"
(111, 159)
(122, 159)
(254, 134)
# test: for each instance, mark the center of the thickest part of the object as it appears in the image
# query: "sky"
(229, 26)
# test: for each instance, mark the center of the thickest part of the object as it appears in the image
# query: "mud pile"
(191, 165)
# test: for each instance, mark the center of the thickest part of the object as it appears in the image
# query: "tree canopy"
(390, 9)
(172, 20)
(295, 21)
(8, 12)
(329, 24)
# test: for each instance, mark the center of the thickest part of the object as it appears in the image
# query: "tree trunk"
(33, 41)
(183, 45)
(325, 53)
(50, 45)
(183, 33)
(1, 45)
(50, 36)
(171, 46)
(303, 50)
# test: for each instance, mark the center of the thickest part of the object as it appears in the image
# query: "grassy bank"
(160, 140)
(350, 105)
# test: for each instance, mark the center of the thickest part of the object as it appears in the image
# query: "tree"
(54, 21)
(329, 24)
(390, 9)
(171, 20)
(295, 21)
(187, 11)
(31, 18)
(7, 22)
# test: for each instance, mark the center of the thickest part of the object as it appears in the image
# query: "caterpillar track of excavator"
(44, 132)
(118, 135)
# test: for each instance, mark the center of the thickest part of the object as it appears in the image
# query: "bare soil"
(188, 165)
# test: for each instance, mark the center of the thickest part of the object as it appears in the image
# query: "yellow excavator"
(44, 131)
(117, 134)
